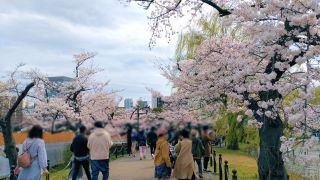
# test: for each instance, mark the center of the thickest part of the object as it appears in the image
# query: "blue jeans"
(100, 166)
(198, 161)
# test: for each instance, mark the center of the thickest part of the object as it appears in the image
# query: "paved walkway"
(127, 168)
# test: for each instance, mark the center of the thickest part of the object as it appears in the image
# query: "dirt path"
(128, 168)
(134, 169)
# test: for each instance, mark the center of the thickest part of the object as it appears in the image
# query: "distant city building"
(56, 80)
(145, 104)
(17, 118)
(142, 104)
(157, 102)
(128, 103)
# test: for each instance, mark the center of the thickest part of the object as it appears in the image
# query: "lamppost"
(138, 110)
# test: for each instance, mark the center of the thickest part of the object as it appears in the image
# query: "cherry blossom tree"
(80, 101)
(13, 86)
(257, 72)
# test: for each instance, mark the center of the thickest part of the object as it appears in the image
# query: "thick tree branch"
(222, 12)
(18, 101)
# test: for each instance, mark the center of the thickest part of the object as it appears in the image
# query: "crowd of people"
(190, 148)
(175, 153)
(92, 150)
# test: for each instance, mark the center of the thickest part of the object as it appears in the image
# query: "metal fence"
(56, 155)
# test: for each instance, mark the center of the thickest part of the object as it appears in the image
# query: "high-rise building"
(128, 103)
(157, 102)
(145, 104)
(56, 80)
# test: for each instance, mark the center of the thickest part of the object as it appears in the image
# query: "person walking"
(184, 165)
(162, 160)
(35, 146)
(142, 142)
(134, 137)
(206, 139)
(81, 153)
(99, 144)
(197, 150)
(129, 140)
(152, 141)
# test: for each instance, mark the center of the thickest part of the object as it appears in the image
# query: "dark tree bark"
(6, 126)
(270, 162)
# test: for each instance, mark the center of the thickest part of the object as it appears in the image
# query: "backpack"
(24, 160)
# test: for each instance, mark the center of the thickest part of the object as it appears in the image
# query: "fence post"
(220, 167)
(12, 175)
(214, 162)
(48, 176)
(226, 170)
(116, 151)
(234, 175)
(122, 149)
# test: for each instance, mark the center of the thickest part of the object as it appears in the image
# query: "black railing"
(223, 169)
(118, 149)
(48, 168)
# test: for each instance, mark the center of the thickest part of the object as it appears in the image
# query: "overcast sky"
(45, 34)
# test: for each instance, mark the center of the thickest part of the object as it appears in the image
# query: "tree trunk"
(6, 126)
(270, 163)
(10, 145)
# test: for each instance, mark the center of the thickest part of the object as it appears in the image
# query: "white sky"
(45, 34)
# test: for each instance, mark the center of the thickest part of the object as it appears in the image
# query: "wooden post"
(226, 170)
(234, 175)
(214, 162)
(220, 167)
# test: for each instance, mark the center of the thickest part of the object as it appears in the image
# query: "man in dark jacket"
(81, 153)
(152, 141)
(206, 144)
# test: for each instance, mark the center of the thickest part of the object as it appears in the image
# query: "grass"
(245, 165)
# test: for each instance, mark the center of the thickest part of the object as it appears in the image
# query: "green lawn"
(245, 165)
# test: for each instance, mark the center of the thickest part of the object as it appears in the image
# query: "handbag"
(24, 160)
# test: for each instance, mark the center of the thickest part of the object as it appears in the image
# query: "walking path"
(127, 168)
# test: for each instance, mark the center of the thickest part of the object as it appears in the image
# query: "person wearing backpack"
(33, 160)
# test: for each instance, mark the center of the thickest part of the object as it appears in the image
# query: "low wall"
(56, 146)
(47, 137)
